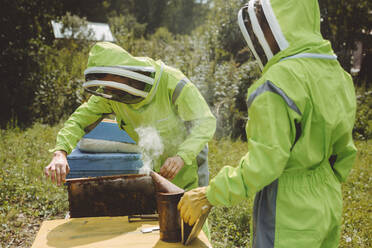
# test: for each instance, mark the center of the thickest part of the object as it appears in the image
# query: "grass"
(26, 198)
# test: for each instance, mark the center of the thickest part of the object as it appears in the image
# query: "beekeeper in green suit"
(142, 92)
(301, 114)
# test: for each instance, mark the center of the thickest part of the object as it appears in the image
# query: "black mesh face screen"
(122, 96)
(95, 76)
(114, 94)
(256, 44)
(269, 36)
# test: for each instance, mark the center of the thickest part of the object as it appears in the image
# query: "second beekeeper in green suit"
(142, 92)
(300, 148)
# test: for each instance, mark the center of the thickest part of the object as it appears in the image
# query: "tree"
(22, 22)
(183, 16)
(344, 22)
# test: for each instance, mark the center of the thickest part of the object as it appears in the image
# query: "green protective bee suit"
(300, 148)
(172, 103)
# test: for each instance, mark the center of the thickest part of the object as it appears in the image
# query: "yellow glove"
(193, 204)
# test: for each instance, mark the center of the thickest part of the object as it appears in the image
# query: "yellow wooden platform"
(104, 232)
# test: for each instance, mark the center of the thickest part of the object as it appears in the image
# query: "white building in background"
(99, 31)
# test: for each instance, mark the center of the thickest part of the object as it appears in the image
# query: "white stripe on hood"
(274, 25)
(119, 71)
(258, 30)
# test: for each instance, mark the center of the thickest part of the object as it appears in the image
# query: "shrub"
(126, 29)
(363, 119)
(58, 84)
(59, 91)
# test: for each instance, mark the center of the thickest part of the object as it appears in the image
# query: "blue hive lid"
(109, 130)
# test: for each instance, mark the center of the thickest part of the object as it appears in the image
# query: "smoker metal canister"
(169, 217)
(167, 197)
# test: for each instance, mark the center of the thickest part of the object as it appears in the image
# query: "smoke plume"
(151, 147)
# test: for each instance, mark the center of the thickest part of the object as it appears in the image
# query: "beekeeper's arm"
(344, 155)
(192, 109)
(73, 130)
(271, 133)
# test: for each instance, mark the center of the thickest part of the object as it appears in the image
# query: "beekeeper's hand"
(171, 167)
(58, 167)
(193, 204)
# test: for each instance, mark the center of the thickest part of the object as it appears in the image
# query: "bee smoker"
(167, 197)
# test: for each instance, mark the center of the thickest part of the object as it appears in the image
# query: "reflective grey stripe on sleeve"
(311, 55)
(178, 89)
(203, 172)
(264, 214)
(202, 157)
(269, 86)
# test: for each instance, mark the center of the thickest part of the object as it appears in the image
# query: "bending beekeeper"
(301, 114)
(142, 92)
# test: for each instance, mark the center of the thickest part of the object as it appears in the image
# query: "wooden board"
(100, 232)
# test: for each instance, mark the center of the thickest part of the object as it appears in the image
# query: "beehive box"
(102, 183)
(120, 195)
(102, 164)
(92, 164)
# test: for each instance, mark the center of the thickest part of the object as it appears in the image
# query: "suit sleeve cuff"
(209, 195)
(187, 158)
(60, 148)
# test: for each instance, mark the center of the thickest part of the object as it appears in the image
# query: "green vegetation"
(27, 32)
(43, 76)
(26, 198)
